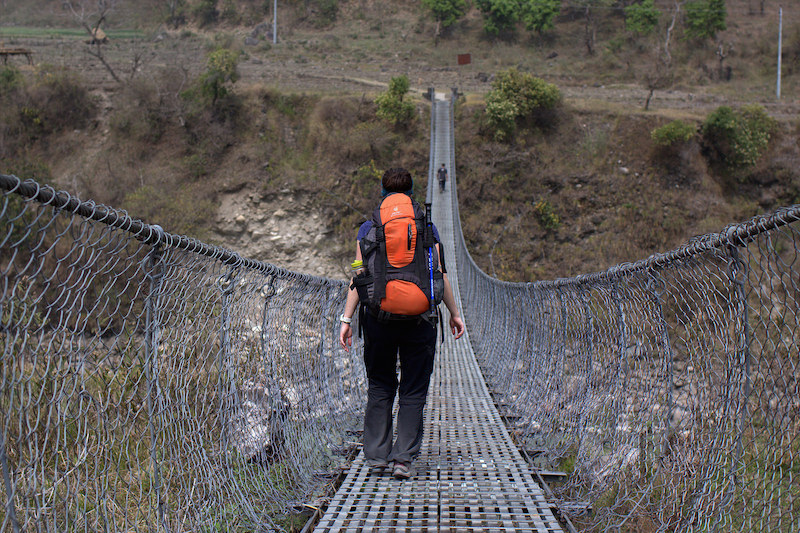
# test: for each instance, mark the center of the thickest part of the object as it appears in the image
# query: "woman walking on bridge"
(401, 280)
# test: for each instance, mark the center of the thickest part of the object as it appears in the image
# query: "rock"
(251, 41)
(678, 417)
(261, 29)
(257, 421)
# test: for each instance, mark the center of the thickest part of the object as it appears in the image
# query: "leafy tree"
(499, 15)
(642, 18)
(391, 104)
(175, 12)
(221, 68)
(539, 15)
(446, 12)
(518, 98)
(590, 9)
(705, 18)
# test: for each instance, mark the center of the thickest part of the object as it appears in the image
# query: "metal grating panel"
(469, 476)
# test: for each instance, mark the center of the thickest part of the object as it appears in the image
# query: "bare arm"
(346, 330)
(456, 323)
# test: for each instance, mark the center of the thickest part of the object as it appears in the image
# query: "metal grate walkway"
(469, 475)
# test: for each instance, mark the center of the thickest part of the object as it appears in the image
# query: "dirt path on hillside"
(302, 73)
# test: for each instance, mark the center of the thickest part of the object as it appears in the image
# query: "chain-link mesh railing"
(151, 382)
(668, 389)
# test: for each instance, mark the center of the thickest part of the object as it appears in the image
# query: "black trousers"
(415, 343)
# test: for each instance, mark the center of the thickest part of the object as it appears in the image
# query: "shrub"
(10, 80)
(178, 211)
(737, 139)
(230, 13)
(205, 12)
(391, 104)
(29, 167)
(212, 85)
(518, 98)
(327, 10)
(673, 133)
(502, 115)
(547, 218)
(56, 101)
(143, 113)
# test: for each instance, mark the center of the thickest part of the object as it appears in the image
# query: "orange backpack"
(401, 276)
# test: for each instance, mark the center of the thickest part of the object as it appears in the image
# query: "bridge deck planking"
(469, 475)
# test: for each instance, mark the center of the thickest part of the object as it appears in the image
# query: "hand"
(457, 326)
(346, 336)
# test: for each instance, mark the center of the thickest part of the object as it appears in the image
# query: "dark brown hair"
(397, 180)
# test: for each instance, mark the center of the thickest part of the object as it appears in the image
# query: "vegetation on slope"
(579, 188)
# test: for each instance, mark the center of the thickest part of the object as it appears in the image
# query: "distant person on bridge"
(442, 175)
(399, 282)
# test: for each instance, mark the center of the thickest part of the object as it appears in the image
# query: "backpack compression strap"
(379, 267)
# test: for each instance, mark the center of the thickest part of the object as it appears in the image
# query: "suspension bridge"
(153, 382)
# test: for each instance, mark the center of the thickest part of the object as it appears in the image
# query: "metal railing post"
(623, 366)
(655, 288)
(738, 276)
(155, 275)
(10, 506)
(226, 284)
(585, 298)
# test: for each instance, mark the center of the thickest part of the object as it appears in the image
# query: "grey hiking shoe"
(377, 465)
(402, 470)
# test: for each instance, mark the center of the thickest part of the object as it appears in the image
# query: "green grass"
(65, 33)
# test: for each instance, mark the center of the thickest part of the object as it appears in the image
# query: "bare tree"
(723, 50)
(661, 76)
(175, 10)
(91, 14)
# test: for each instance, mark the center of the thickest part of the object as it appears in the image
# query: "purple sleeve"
(364, 229)
(436, 233)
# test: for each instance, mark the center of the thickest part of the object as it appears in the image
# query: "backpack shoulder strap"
(381, 260)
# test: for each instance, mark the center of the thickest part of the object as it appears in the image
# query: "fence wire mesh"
(154, 383)
(668, 389)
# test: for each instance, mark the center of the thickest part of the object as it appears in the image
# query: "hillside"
(284, 167)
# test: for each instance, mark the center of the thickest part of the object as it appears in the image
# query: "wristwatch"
(345, 319)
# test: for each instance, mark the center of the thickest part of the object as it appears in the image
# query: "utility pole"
(274, 21)
(780, 35)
